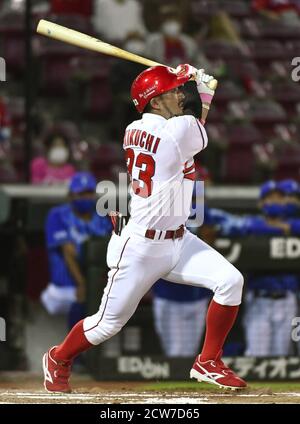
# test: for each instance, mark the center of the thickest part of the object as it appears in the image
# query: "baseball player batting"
(155, 242)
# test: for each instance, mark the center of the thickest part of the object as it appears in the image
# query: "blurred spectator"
(271, 299)
(291, 201)
(115, 19)
(8, 173)
(7, 6)
(55, 167)
(285, 11)
(153, 19)
(171, 46)
(222, 28)
(5, 122)
(68, 227)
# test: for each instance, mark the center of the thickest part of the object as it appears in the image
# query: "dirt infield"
(24, 388)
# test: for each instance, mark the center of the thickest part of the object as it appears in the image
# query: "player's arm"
(70, 257)
(188, 134)
(57, 237)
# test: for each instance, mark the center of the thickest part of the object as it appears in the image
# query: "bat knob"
(212, 84)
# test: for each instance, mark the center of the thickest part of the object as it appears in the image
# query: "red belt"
(170, 234)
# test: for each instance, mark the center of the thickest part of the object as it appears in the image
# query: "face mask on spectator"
(291, 209)
(84, 205)
(58, 155)
(135, 46)
(273, 210)
(171, 28)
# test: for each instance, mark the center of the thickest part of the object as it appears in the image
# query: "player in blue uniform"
(68, 227)
(179, 316)
(291, 209)
(271, 300)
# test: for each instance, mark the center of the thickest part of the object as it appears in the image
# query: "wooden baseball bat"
(79, 39)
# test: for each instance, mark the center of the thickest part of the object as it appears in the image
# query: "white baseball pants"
(268, 324)
(136, 263)
(180, 325)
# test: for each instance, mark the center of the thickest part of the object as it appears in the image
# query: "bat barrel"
(76, 38)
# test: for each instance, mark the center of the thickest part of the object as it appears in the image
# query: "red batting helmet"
(155, 81)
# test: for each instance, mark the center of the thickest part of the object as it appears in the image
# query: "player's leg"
(135, 264)
(201, 265)
(284, 310)
(132, 272)
(257, 324)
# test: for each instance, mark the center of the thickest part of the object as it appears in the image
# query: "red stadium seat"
(239, 160)
(91, 66)
(238, 9)
(207, 8)
(204, 9)
(74, 7)
(264, 51)
(12, 41)
(8, 173)
(239, 164)
(106, 162)
(264, 113)
(76, 22)
(228, 91)
(279, 31)
(287, 94)
(56, 69)
(288, 164)
(222, 50)
(250, 29)
(99, 99)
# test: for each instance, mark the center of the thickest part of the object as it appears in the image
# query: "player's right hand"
(206, 93)
(202, 80)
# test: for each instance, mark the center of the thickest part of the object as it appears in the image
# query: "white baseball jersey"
(160, 161)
